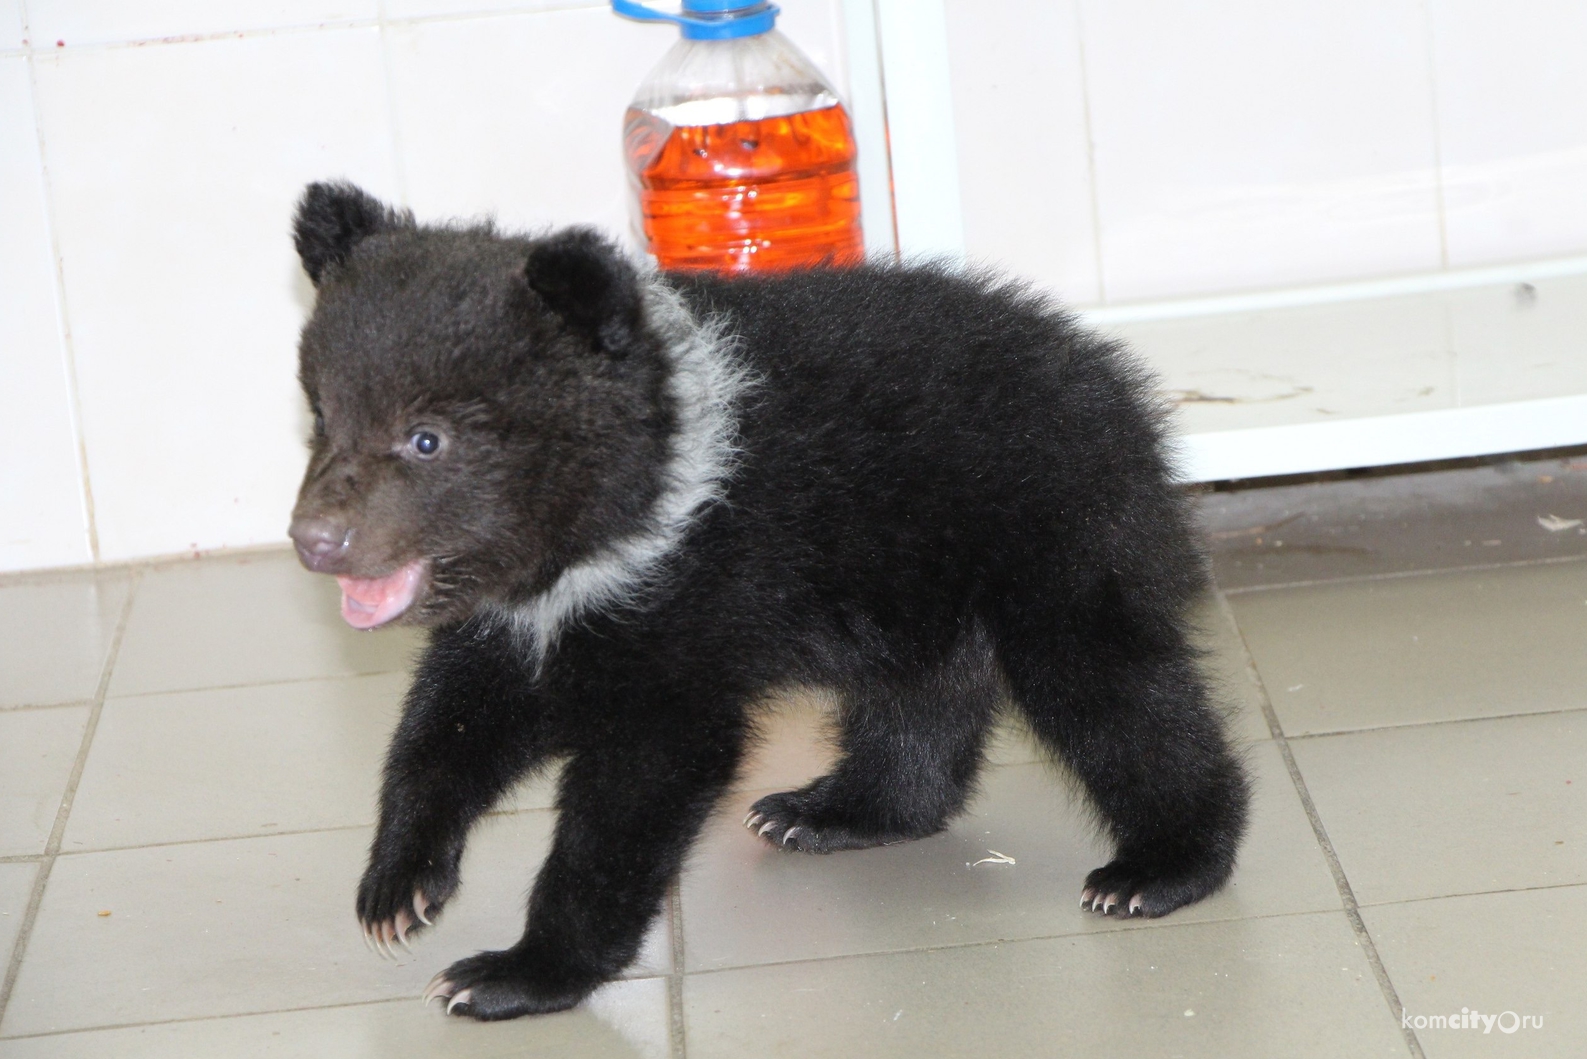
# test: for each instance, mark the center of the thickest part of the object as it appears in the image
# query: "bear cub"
(630, 507)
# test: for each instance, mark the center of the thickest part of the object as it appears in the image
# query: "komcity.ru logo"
(1471, 1019)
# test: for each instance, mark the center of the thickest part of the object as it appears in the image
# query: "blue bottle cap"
(708, 19)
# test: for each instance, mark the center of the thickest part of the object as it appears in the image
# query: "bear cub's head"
(487, 409)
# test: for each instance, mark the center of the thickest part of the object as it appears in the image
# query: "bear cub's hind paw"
(1124, 889)
(802, 821)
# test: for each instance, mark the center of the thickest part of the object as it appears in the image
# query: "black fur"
(942, 490)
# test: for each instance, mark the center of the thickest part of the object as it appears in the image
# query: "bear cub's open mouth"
(369, 602)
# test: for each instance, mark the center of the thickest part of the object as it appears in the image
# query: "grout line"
(22, 858)
(63, 321)
(1396, 575)
(328, 678)
(1578, 885)
(1440, 201)
(1091, 155)
(204, 1018)
(1136, 924)
(1439, 721)
(675, 979)
(1347, 895)
(300, 28)
(28, 707)
(53, 847)
(253, 835)
(408, 999)
(399, 168)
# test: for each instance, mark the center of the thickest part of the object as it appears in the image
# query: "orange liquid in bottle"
(771, 194)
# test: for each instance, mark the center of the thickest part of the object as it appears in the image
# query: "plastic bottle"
(740, 156)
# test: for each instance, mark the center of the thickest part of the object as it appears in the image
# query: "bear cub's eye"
(424, 443)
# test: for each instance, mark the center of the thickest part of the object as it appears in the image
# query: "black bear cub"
(630, 507)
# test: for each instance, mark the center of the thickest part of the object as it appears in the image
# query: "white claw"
(1108, 903)
(438, 988)
(459, 998)
(386, 934)
(767, 826)
(1135, 904)
(788, 835)
(369, 942)
(419, 903)
(1085, 897)
(1096, 903)
(753, 820)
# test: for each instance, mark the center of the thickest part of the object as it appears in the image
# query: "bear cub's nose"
(321, 544)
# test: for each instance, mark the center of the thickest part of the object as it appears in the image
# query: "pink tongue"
(371, 601)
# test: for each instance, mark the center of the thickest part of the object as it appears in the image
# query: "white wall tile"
(40, 484)
(74, 22)
(815, 25)
(1250, 144)
(174, 172)
(404, 9)
(1019, 113)
(520, 116)
(10, 25)
(1512, 116)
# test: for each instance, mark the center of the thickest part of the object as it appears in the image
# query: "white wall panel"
(1249, 144)
(1024, 159)
(10, 25)
(76, 22)
(42, 516)
(174, 170)
(406, 9)
(1512, 110)
(520, 115)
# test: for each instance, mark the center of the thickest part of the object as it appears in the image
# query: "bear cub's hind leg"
(911, 750)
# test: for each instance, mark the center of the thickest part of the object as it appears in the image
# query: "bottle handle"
(640, 13)
(753, 18)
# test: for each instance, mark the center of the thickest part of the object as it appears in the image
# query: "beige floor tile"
(1395, 522)
(16, 886)
(624, 1020)
(745, 903)
(1453, 808)
(54, 635)
(1475, 643)
(245, 620)
(243, 926)
(1293, 986)
(1518, 952)
(231, 762)
(37, 751)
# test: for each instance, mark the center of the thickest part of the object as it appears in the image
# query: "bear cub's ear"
(590, 284)
(334, 218)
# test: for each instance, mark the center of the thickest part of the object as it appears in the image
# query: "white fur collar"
(705, 383)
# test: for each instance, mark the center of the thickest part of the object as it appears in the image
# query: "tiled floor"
(189, 754)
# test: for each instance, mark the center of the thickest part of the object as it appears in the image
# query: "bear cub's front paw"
(507, 984)
(395, 903)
